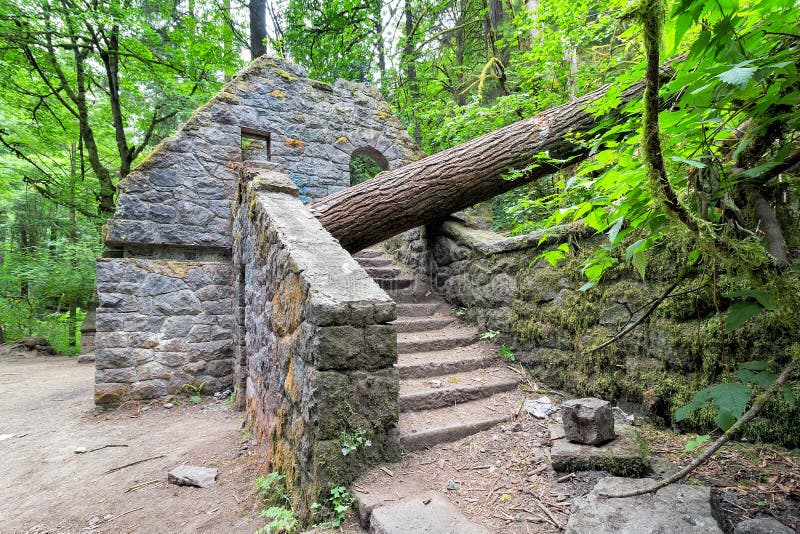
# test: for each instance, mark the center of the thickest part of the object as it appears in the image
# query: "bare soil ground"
(502, 475)
(504, 480)
(46, 402)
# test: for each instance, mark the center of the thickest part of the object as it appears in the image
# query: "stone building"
(167, 286)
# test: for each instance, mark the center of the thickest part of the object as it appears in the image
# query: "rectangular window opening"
(255, 145)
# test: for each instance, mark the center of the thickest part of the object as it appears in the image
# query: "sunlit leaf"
(692, 444)
(738, 76)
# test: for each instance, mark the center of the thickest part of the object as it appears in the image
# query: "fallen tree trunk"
(459, 177)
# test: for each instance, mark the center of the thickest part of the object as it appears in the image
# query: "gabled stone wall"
(167, 312)
(181, 193)
(315, 345)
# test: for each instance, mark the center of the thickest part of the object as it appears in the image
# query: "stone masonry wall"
(499, 284)
(162, 324)
(315, 350)
(166, 290)
(182, 192)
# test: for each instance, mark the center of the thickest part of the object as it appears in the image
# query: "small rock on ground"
(762, 525)
(539, 408)
(190, 475)
(621, 417)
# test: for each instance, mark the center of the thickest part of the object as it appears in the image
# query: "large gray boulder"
(589, 421)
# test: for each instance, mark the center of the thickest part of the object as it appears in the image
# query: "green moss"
(285, 75)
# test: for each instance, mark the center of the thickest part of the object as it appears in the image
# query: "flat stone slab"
(426, 513)
(676, 508)
(624, 456)
(190, 475)
(762, 525)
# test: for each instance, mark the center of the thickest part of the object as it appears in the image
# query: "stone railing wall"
(315, 350)
(162, 324)
(499, 284)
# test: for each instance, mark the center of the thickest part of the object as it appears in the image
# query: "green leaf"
(745, 375)
(788, 394)
(699, 400)
(682, 25)
(755, 365)
(629, 252)
(640, 262)
(767, 300)
(738, 76)
(724, 419)
(692, 444)
(694, 163)
(684, 411)
(731, 396)
(764, 379)
(740, 313)
(612, 234)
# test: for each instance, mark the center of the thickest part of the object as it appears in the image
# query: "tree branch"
(723, 439)
(625, 331)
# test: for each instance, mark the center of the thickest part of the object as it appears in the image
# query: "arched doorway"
(365, 163)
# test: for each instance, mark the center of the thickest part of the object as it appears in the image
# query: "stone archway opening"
(366, 163)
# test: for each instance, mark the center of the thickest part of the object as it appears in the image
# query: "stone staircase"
(452, 384)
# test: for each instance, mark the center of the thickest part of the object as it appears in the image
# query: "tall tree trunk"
(258, 28)
(410, 65)
(110, 57)
(378, 21)
(72, 236)
(498, 56)
(460, 38)
(458, 177)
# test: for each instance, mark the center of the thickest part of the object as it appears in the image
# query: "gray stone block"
(623, 456)
(589, 421)
(430, 513)
(676, 508)
(762, 525)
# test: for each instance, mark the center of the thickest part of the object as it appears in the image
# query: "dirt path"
(45, 487)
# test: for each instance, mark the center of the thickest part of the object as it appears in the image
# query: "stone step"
(368, 253)
(379, 261)
(394, 282)
(418, 394)
(418, 292)
(419, 430)
(445, 338)
(444, 362)
(421, 309)
(431, 512)
(423, 324)
(378, 493)
(383, 272)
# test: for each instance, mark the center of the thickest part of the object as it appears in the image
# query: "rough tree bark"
(258, 28)
(459, 177)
